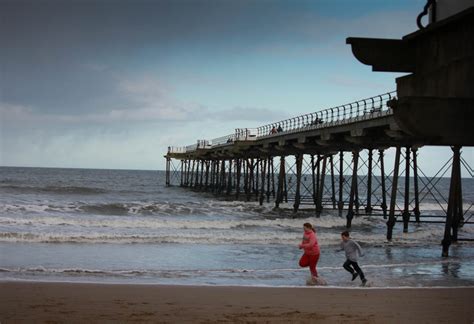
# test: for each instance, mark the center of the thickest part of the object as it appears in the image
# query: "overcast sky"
(113, 83)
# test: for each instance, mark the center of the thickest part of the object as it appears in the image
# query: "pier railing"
(369, 108)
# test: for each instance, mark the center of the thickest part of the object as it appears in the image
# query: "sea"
(126, 226)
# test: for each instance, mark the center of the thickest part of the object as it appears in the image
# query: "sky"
(112, 83)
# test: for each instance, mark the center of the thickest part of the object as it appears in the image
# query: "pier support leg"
(368, 208)
(299, 164)
(281, 179)
(208, 166)
(318, 179)
(416, 210)
(285, 186)
(264, 170)
(246, 177)
(257, 176)
(188, 170)
(196, 181)
(333, 183)
(202, 175)
(406, 209)
(350, 212)
(340, 202)
(393, 198)
(454, 212)
(269, 176)
(251, 179)
(319, 205)
(181, 180)
(191, 174)
(273, 178)
(384, 191)
(223, 177)
(313, 178)
(229, 178)
(238, 175)
(168, 170)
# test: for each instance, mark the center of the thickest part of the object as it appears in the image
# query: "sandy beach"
(23, 302)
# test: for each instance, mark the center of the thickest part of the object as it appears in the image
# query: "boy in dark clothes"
(353, 251)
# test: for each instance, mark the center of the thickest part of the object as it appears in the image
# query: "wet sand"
(27, 302)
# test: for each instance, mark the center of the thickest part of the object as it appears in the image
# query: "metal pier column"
(269, 173)
(333, 184)
(181, 181)
(416, 210)
(454, 213)
(350, 212)
(406, 209)
(384, 191)
(393, 198)
(202, 174)
(196, 181)
(281, 178)
(168, 162)
(319, 205)
(313, 166)
(368, 207)
(229, 180)
(238, 175)
(340, 202)
(262, 191)
(208, 165)
(299, 164)
(223, 177)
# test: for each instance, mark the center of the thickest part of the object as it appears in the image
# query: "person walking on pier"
(353, 251)
(311, 250)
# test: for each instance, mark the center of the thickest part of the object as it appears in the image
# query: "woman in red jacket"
(311, 249)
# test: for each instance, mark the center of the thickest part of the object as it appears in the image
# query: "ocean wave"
(64, 190)
(152, 223)
(179, 273)
(429, 235)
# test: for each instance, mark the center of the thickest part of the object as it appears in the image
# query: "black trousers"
(351, 266)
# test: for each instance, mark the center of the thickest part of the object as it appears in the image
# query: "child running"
(311, 249)
(353, 251)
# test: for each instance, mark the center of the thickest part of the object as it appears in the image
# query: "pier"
(334, 159)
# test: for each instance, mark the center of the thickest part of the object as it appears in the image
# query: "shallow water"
(126, 226)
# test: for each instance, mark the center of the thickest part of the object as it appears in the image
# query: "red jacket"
(310, 243)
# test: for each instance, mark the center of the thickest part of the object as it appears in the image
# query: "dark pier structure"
(335, 158)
